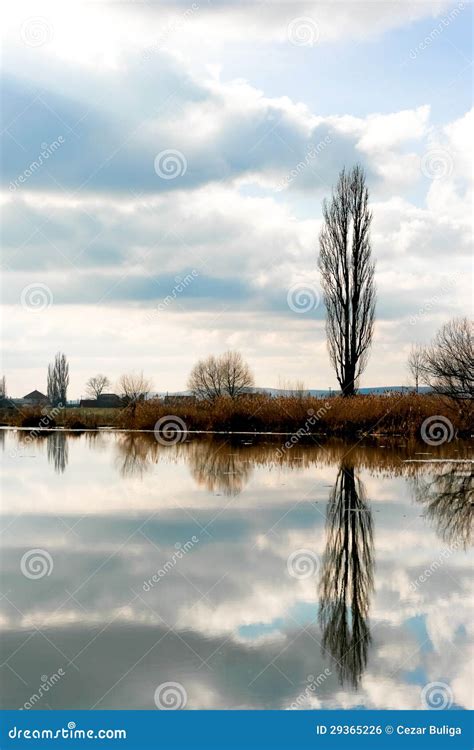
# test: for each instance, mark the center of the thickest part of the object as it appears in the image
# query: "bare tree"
(58, 380)
(205, 379)
(347, 277)
(415, 363)
(448, 364)
(134, 387)
(296, 389)
(51, 384)
(227, 375)
(236, 374)
(96, 385)
(3, 387)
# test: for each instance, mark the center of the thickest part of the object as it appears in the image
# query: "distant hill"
(366, 391)
(314, 391)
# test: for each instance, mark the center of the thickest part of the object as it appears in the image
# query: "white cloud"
(98, 34)
(99, 227)
(450, 156)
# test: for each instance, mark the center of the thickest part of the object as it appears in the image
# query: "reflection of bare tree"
(136, 453)
(347, 577)
(449, 498)
(224, 467)
(392, 460)
(219, 467)
(57, 449)
(216, 465)
(97, 440)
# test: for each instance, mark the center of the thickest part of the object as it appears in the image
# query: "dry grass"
(70, 418)
(391, 414)
(375, 414)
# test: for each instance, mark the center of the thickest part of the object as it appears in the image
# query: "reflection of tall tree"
(449, 498)
(219, 467)
(57, 448)
(347, 577)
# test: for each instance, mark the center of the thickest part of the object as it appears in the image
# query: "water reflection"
(240, 630)
(347, 580)
(135, 454)
(449, 498)
(225, 465)
(220, 468)
(57, 450)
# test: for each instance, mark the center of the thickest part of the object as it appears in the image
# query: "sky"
(164, 166)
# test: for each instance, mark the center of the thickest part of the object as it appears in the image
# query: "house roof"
(88, 402)
(36, 394)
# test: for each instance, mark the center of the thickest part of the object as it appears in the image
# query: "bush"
(38, 420)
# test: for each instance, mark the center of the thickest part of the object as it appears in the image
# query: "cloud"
(245, 250)
(112, 29)
(222, 132)
(253, 612)
(449, 162)
(98, 223)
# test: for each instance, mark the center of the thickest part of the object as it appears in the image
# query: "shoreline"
(303, 418)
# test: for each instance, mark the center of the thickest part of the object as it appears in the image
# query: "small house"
(108, 400)
(35, 398)
(104, 401)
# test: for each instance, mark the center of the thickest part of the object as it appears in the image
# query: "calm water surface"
(331, 576)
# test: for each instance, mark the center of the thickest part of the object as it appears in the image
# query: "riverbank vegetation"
(390, 414)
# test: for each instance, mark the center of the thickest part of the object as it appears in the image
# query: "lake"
(234, 573)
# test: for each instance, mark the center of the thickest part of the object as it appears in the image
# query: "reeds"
(389, 414)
